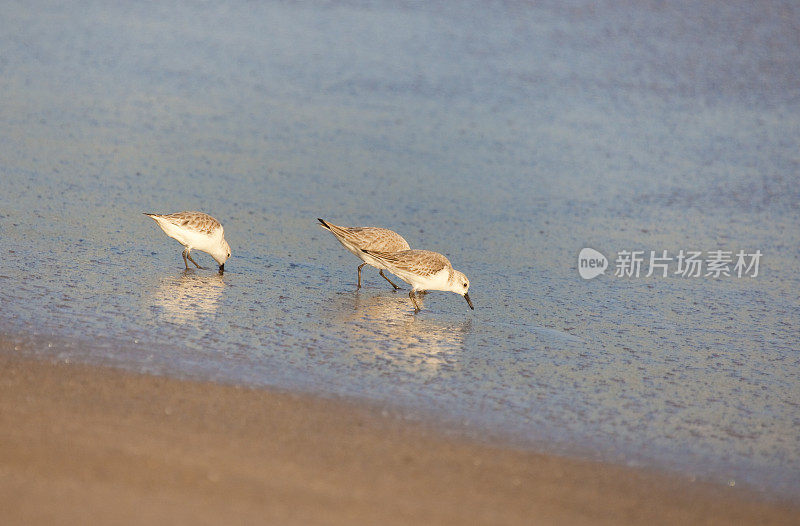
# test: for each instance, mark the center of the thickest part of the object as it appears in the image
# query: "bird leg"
(414, 301)
(387, 279)
(184, 259)
(359, 274)
(188, 255)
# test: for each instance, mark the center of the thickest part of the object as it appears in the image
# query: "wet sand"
(82, 444)
(507, 136)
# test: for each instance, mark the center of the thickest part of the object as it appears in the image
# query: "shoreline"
(81, 442)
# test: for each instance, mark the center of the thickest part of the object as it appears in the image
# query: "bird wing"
(197, 221)
(368, 238)
(418, 262)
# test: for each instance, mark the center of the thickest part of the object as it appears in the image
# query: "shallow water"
(506, 136)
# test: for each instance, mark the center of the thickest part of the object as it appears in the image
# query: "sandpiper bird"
(196, 230)
(423, 270)
(357, 239)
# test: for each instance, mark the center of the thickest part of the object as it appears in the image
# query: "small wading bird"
(358, 239)
(423, 270)
(196, 230)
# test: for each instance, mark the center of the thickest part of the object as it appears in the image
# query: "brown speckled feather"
(198, 221)
(370, 238)
(420, 262)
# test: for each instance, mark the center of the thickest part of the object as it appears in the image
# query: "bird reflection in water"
(189, 296)
(381, 327)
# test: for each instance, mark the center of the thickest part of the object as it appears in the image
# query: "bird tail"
(383, 257)
(341, 233)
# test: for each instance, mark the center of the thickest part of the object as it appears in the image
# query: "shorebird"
(357, 239)
(423, 270)
(196, 230)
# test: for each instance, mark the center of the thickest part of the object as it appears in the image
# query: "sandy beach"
(507, 136)
(80, 443)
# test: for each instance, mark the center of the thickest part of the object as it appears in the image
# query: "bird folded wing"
(419, 262)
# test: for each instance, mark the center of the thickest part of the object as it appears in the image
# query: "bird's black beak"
(469, 301)
(222, 268)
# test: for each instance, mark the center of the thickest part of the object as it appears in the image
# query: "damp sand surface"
(83, 444)
(507, 137)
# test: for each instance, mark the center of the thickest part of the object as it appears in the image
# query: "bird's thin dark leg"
(414, 301)
(359, 274)
(387, 279)
(184, 259)
(188, 255)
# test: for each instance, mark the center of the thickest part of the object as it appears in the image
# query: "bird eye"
(465, 284)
